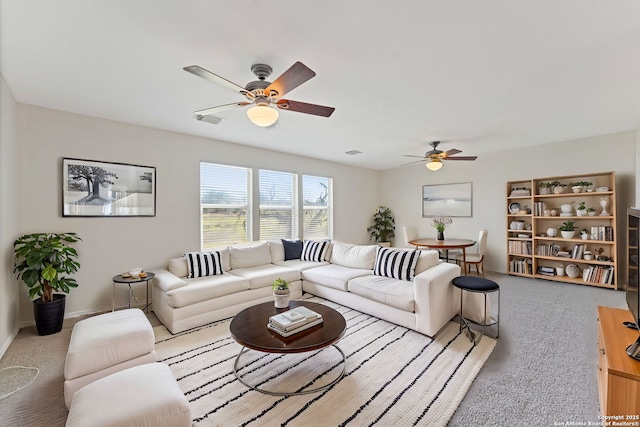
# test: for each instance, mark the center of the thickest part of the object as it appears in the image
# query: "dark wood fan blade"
(213, 110)
(461, 158)
(451, 152)
(297, 74)
(214, 78)
(303, 107)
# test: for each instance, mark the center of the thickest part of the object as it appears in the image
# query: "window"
(278, 205)
(317, 211)
(225, 204)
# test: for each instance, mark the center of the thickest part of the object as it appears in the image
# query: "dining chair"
(409, 233)
(476, 258)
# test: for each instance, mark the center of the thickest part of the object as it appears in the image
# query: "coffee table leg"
(286, 393)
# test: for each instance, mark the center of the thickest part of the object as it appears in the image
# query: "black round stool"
(477, 285)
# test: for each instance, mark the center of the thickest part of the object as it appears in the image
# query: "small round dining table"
(446, 244)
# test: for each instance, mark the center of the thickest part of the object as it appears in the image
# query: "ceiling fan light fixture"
(262, 115)
(434, 165)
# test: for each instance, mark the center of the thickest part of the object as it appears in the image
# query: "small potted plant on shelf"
(440, 223)
(591, 211)
(581, 208)
(544, 188)
(383, 227)
(558, 187)
(567, 229)
(281, 293)
(42, 262)
(580, 186)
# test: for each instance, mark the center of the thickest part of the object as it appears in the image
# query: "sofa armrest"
(435, 299)
(167, 281)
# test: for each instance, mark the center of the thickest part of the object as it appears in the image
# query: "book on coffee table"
(295, 320)
(294, 331)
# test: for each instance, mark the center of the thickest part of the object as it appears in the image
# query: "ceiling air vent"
(353, 152)
(209, 119)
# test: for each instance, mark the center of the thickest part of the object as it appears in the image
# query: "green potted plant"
(384, 225)
(544, 187)
(581, 208)
(43, 261)
(281, 293)
(567, 229)
(558, 187)
(591, 211)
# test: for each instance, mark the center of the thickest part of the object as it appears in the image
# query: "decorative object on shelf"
(516, 225)
(514, 208)
(553, 212)
(552, 232)
(384, 225)
(544, 188)
(572, 270)
(604, 202)
(440, 223)
(520, 192)
(281, 293)
(42, 259)
(566, 210)
(602, 189)
(567, 229)
(584, 234)
(100, 189)
(581, 208)
(558, 187)
(580, 186)
(560, 271)
(587, 255)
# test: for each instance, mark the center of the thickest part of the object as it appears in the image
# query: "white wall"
(113, 245)
(8, 216)
(489, 174)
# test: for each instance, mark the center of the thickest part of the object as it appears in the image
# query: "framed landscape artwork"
(93, 188)
(453, 200)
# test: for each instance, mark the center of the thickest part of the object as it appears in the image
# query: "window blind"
(278, 205)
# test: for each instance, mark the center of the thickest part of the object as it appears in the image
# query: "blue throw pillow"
(292, 249)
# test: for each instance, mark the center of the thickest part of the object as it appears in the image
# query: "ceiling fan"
(434, 157)
(262, 94)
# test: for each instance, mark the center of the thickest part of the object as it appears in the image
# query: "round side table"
(129, 281)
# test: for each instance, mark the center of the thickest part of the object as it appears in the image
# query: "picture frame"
(93, 188)
(447, 200)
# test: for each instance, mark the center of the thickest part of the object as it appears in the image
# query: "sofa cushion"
(395, 264)
(249, 256)
(205, 288)
(298, 264)
(314, 251)
(263, 276)
(178, 266)
(292, 249)
(354, 256)
(392, 292)
(201, 264)
(333, 275)
(427, 260)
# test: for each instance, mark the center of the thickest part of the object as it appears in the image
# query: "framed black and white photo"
(94, 188)
(448, 200)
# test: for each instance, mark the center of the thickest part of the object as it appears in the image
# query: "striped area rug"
(394, 376)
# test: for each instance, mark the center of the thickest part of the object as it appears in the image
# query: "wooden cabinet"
(535, 245)
(618, 374)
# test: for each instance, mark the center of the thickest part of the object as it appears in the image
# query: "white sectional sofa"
(344, 274)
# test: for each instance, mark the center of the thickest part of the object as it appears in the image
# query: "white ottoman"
(146, 395)
(104, 344)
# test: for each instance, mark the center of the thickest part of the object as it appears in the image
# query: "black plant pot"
(49, 315)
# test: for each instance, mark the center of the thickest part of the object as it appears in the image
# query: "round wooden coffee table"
(249, 329)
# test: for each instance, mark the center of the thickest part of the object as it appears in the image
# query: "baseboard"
(7, 342)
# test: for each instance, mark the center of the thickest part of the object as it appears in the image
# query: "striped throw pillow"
(314, 251)
(201, 264)
(396, 264)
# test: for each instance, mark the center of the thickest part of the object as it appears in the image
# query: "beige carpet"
(394, 376)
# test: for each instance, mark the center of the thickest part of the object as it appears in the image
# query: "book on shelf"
(288, 333)
(293, 320)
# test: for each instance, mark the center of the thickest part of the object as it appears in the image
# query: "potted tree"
(281, 293)
(383, 227)
(43, 261)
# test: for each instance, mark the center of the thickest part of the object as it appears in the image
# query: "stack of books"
(294, 321)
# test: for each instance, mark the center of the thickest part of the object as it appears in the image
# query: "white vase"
(560, 271)
(281, 300)
(604, 202)
(568, 234)
(552, 232)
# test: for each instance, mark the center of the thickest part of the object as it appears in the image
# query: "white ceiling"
(481, 75)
